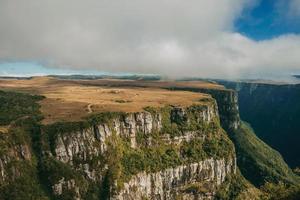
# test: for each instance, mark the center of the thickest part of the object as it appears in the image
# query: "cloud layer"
(170, 37)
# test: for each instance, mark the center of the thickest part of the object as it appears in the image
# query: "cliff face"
(156, 154)
(92, 141)
(252, 153)
(10, 155)
(227, 103)
(193, 181)
(274, 113)
(173, 152)
(163, 153)
(18, 167)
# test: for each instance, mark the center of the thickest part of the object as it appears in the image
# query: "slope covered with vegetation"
(259, 162)
(18, 159)
(263, 166)
(273, 111)
(30, 172)
(14, 106)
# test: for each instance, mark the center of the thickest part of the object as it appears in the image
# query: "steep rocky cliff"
(19, 178)
(167, 153)
(227, 103)
(18, 167)
(258, 162)
(273, 110)
(12, 153)
(192, 181)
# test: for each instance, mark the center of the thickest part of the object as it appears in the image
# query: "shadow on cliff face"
(258, 162)
(274, 113)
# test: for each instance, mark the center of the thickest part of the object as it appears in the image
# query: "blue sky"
(267, 19)
(21, 69)
(206, 38)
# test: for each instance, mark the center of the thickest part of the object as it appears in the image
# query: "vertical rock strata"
(174, 183)
(194, 179)
(14, 154)
(227, 103)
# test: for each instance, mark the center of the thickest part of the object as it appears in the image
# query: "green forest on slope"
(35, 173)
(259, 163)
(21, 113)
(263, 166)
(273, 110)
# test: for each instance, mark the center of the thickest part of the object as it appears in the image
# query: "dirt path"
(89, 108)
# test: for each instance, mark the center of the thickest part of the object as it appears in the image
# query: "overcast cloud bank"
(168, 37)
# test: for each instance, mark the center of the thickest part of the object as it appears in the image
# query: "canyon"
(187, 141)
(273, 110)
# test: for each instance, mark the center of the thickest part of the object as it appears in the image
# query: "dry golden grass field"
(70, 100)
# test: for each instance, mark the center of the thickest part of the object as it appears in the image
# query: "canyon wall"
(176, 134)
(273, 110)
(172, 152)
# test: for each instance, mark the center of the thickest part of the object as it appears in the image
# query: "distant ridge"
(16, 77)
(296, 76)
(95, 77)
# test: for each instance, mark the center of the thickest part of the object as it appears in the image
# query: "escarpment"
(268, 108)
(18, 166)
(273, 110)
(10, 157)
(123, 140)
(252, 153)
(160, 153)
(227, 103)
(173, 151)
(192, 181)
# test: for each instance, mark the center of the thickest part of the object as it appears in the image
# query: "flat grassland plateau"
(71, 100)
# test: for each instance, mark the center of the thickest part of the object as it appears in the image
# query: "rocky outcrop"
(227, 105)
(79, 148)
(227, 101)
(90, 142)
(160, 153)
(174, 183)
(9, 171)
(80, 144)
(64, 185)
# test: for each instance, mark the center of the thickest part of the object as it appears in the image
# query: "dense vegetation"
(123, 161)
(274, 112)
(160, 157)
(14, 106)
(258, 162)
(35, 173)
(18, 147)
(255, 153)
(226, 101)
(238, 188)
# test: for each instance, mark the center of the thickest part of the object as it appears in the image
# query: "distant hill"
(16, 77)
(296, 76)
(95, 77)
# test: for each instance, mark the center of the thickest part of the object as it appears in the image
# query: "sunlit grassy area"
(71, 100)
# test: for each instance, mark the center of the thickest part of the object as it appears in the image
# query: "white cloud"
(172, 37)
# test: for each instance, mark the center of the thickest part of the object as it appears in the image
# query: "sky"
(176, 38)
